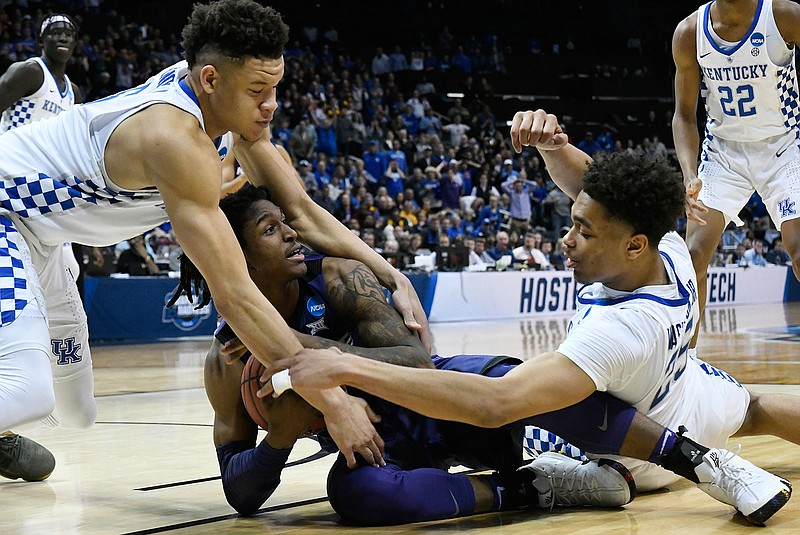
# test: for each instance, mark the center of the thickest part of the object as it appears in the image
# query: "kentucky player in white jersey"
(740, 56)
(117, 167)
(629, 337)
(39, 88)
(31, 91)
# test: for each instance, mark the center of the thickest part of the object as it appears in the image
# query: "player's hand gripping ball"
(259, 408)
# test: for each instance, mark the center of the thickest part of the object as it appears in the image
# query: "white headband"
(53, 19)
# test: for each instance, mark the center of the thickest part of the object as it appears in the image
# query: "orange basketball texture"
(257, 407)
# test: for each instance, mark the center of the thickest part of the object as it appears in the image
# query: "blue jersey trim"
(67, 85)
(706, 20)
(682, 301)
(188, 90)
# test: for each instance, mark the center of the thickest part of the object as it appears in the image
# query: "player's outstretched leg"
(561, 480)
(24, 458)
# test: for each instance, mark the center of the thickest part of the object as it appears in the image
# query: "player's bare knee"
(753, 418)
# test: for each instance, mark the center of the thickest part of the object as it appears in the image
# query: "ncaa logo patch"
(315, 306)
(757, 39)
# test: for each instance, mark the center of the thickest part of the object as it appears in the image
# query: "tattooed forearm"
(358, 295)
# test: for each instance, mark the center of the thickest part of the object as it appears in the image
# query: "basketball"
(257, 407)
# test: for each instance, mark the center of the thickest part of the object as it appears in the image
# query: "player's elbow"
(491, 413)
(500, 407)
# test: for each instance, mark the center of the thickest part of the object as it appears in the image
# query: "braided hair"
(236, 207)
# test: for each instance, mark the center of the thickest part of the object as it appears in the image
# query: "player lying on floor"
(340, 300)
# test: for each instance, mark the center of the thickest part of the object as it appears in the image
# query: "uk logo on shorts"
(66, 351)
(786, 206)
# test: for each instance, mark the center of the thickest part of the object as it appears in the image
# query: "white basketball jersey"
(46, 102)
(749, 87)
(634, 345)
(54, 182)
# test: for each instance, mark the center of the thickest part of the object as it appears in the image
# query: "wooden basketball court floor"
(149, 466)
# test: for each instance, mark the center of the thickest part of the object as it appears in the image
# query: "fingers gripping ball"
(258, 407)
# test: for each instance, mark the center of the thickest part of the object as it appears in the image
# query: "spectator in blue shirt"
(492, 212)
(396, 153)
(374, 161)
(394, 179)
(326, 136)
(321, 174)
(589, 145)
(398, 60)
(502, 248)
(461, 61)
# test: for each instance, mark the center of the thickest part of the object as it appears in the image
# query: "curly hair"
(646, 193)
(236, 207)
(236, 29)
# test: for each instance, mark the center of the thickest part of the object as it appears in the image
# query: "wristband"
(281, 382)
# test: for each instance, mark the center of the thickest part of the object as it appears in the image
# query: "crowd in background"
(423, 173)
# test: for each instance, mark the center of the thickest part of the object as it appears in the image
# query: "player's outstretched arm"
(545, 383)
(322, 232)
(565, 162)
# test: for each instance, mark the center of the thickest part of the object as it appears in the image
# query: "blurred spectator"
(303, 140)
(777, 253)
(374, 162)
(528, 254)
(755, 256)
(381, 64)
(484, 190)
(737, 257)
(553, 254)
(479, 255)
(502, 248)
(589, 145)
(136, 260)
(307, 176)
(397, 60)
(455, 131)
(99, 261)
(560, 205)
(520, 192)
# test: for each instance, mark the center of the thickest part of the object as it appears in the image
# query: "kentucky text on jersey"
(52, 107)
(727, 74)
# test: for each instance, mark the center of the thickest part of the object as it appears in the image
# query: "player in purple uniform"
(330, 302)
